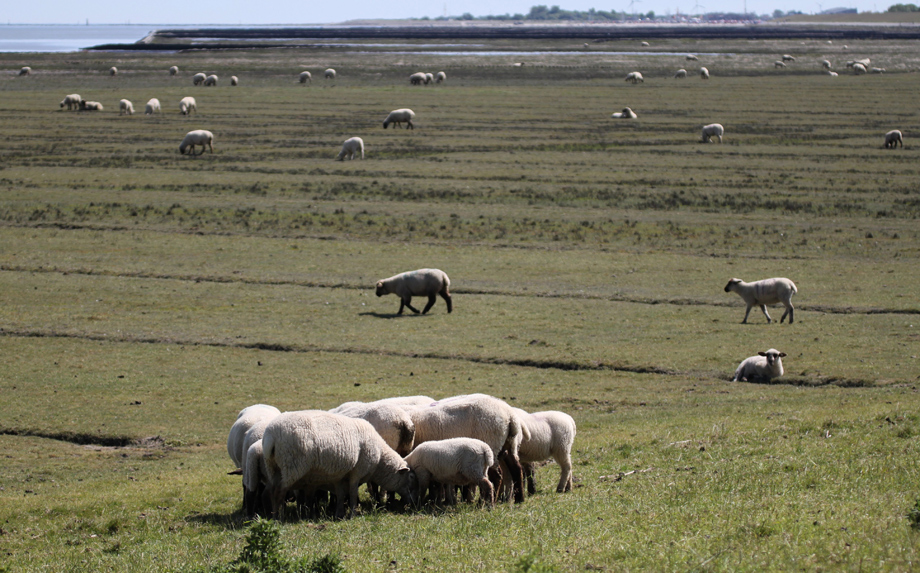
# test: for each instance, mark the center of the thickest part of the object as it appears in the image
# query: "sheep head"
(380, 289)
(731, 283)
(772, 356)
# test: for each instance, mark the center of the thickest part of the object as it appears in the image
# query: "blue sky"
(300, 12)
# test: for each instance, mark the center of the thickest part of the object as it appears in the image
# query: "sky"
(293, 12)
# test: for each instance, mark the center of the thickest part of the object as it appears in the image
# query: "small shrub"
(913, 516)
(532, 564)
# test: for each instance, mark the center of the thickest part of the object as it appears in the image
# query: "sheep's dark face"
(772, 356)
(380, 290)
(385, 124)
(731, 283)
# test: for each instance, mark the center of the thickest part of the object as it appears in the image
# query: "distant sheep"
(635, 77)
(832, 74)
(429, 78)
(113, 71)
(125, 107)
(25, 71)
(200, 137)
(778, 64)
(691, 58)
(399, 116)
(72, 101)
(704, 73)
(865, 62)
(440, 77)
(234, 81)
(826, 64)
(644, 44)
(199, 79)
(351, 148)
(625, 114)
(187, 105)
(153, 106)
(761, 368)
(681, 73)
(788, 58)
(859, 69)
(423, 282)
(764, 292)
(173, 70)
(210, 80)
(877, 70)
(305, 77)
(417, 79)
(712, 130)
(90, 105)
(329, 74)
(518, 65)
(454, 462)
(893, 138)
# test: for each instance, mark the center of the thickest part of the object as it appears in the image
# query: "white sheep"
(826, 64)
(329, 74)
(113, 71)
(391, 421)
(199, 79)
(25, 71)
(234, 81)
(351, 148)
(173, 70)
(152, 107)
(200, 137)
(865, 62)
(256, 496)
(832, 74)
(763, 367)
(417, 79)
(305, 77)
(211, 80)
(712, 130)
(551, 435)
(691, 58)
(877, 70)
(778, 64)
(422, 282)
(310, 449)
(440, 77)
(90, 105)
(454, 462)
(859, 69)
(644, 44)
(429, 77)
(635, 77)
(704, 73)
(125, 107)
(518, 65)
(893, 138)
(246, 419)
(72, 101)
(398, 116)
(625, 114)
(788, 58)
(764, 292)
(681, 73)
(187, 105)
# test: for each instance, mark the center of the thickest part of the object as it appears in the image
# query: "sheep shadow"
(230, 521)
(388, 315)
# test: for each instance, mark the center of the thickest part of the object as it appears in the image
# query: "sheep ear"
(781, 354)
(762, 353)
(403, 470)
(379, 284)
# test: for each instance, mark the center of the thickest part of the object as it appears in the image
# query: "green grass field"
(146, 297)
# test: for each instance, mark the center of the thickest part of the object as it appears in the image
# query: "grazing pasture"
(147, 296)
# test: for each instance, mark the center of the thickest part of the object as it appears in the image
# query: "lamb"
(453, 462)
(234, 81)
(859, 69)
(704, 73)
(429, 78)
(788, 58)
(832, 74)
(90, 105)
(153, 106)
(391, 421)
(551, 436)
(681, 73)
(763, 367)
(72, 101)
(417, 78)
(200, 137)
(398, 116)
(692, 58)
(306, 77)
(826, 64)
(125, 107)
(310, 449)
(113, 71)
(329, 74)
(173, 70)
(351, 148)
(764, 292)
(199, 79)
(877, 70)
(422, 282)
(635, 77)
(712, 130)
(25, 71)
(246, 419)
(625, 114)
(778, 64)
(440, 77)
(187, 105)
(644, 44)
(210, 80)
(892, 139)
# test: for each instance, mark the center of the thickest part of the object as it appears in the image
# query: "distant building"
(840, 11)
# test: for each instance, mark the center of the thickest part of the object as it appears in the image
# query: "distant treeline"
(543, 13)
(904, 8)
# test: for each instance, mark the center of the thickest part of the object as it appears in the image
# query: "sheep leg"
(431, 299)
(409, 125)
(763, 307)
(446, 296)
(529, 475)
(746, 313)
(406, 301)
(565, 476)
(517, 475)
(486, 492)
(279, 494)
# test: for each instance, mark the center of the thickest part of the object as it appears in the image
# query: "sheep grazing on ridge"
(125, 107)
(399, 116)
(25, 71)
(625, 114)
(90, 105)
(429, 77)
(417, 79)
(309, 449)
(551, 437)
(152, 107)
(761, 368)
(644, 44)
(113, 71)
(635, 77)
(517, 65)
(351, 148)
(704, 73)
(691, 58)
(234, 81)
(826, 64)
(864, 62)
(712, 130)
(832, 74)
(423, 282)
(210, 80)
(764, 292)
(72, 102)
(329, 74)
(199, 79)
(892, 139)
(681, 73)
(858, 69)
(788, 58)
(305, 77)
(877, 70)
(778, 64)
(200, 137)
(440, 77)
(173, 70)
(454, 462)
(187, 105)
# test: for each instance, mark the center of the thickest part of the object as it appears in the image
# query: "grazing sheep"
(247, 430)
(173, 70)
(25, 71)
(892, 139)
(704, 73)
(246, 419)
(877, 70)
(625, 114)
(417, 79)
(440, 77)
(423, 282)
(635, 77)
(90, 105)
(865, 62)
(256, 497)
(310, 449)
(351, 148)
(125, 107)
(72, 102)
(764, 292)
(681, 73)
(399, 116)
(454, 462)
(691, 58)
(429, 78)
(187, 105)
(517, 65)
(113, 71)
(210, 80)
(826, 64)
(153, 106)
(788, 58)
(200, 137)
(760, 368)
(778, 64)
(391, 421)
(329, 74)
(859, 69)
(234, 81)
(644, 44)
(199, 79)
(551, 436)
(306, 77)
(712, 130)
(832, 74)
